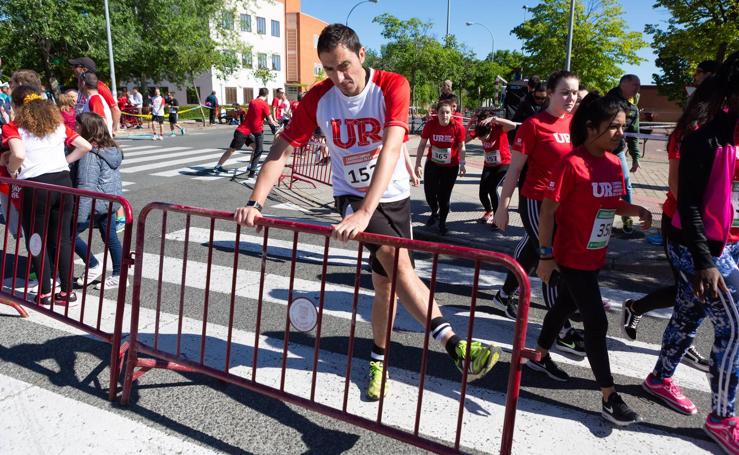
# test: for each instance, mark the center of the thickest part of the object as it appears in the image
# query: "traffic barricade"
(284, 311)
(311, 164)
(97, 313)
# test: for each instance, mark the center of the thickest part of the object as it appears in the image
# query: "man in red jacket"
(250, 131)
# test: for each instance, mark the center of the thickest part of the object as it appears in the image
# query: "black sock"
(451, 346)
(378, 353)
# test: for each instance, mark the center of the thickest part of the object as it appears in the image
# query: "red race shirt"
(277, 104)
(253, 122)
(588, 190)
(495, 146)
(105, 92)
(444, 142)
(294, 106)
(673, 153)
(544, 139)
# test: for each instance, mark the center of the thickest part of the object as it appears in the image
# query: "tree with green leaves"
(696, 31)
(264, 75)
(152, 39)
(601, 40)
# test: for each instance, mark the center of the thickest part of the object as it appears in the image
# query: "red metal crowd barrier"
(311, 164)
(251, 349)
(18, 289)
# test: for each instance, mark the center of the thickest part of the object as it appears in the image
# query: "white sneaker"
(93, 274)
(111, 282)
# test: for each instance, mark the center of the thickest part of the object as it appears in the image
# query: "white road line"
(128, 183)
(140, 147)
(47, 422)
(154, 152)
(168, 155)
(539, 426)
(627, 358)
(147, 167)
(459, 275)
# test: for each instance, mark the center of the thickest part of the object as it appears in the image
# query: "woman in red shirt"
(541, 142)
(444, 162)
(584, 192)
(491, 131)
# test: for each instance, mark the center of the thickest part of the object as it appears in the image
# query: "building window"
(248, 94)
(261, 26)
(246, 60)
(261, 60)
(192, 95)
(230, 95)
(276, 63)
(317, 69)
(228, 20)
(245, 23)
(276, 28)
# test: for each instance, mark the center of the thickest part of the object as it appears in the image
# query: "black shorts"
(173, 118)
(389, 218)
(240, 139)
(157, 118)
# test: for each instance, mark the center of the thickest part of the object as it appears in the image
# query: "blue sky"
(499, 16)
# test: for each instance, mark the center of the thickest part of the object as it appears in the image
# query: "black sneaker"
(506, 305)
(442, 229)
(572, 343)
(693, 359)
(618, 412)
(432, 219)
(629, 320)
(217, 170)
(548, 367)
(494, 227)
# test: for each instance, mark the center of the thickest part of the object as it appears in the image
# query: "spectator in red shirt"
(83, 65)
(66, 103)
(250, 131)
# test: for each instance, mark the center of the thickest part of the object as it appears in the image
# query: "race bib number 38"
(359, 167)
(601, 233)
(441, 155)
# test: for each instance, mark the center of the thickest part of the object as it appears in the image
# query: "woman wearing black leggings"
(36, 139)
(585, 195)
(444, 162)
(491, 131)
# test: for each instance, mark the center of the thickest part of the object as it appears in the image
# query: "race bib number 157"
(359, 168)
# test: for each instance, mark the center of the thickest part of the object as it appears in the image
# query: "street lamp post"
(448, 13)
(353, 7)
(492, 39)
(568, 58)
(110, 52)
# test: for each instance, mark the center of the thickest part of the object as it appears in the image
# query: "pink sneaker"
(670, 394)
(724, 432)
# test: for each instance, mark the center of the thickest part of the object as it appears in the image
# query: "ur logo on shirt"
(561, 138)
(360, 131)
(607, 189)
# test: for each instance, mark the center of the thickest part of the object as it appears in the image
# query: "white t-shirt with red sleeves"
(588, 189)
(444, 142)
(544, 139)
(96, 103)
(44, 155)
(354, 127)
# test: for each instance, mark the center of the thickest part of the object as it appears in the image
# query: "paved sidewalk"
(642, 261)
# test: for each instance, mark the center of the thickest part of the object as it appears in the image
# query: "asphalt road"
(211, 416)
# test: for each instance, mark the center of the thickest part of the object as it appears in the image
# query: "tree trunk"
(721, 53)
(197, 95)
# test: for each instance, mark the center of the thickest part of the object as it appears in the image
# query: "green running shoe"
(482, 359)
(375, 380)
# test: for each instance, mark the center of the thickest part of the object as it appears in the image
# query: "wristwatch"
(546, 252)
(255, 204)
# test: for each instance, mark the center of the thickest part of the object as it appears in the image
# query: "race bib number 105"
(359, 168)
